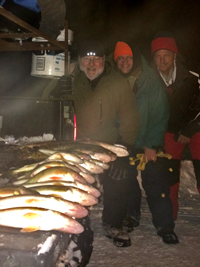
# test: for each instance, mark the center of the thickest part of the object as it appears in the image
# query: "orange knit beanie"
(121, 49)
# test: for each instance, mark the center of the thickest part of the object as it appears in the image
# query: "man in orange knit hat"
(182, 89)
(153, 107)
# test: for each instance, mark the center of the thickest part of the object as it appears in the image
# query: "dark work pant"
(115, 199)
(134, 203)
(156, 185)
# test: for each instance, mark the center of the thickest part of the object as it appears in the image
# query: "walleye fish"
(61, 155)
(96, 153)
(92, 167)
(67, 192)
(81, 154)
(13, 173)
(75, 167)
(68, 208)
(57, 173)
(95, 150)
(18, 182)
(82, 171)
(10, 190)
(89, 178)
(86, 174)
(92, 150)
(46, 165)
(33, 219)
(119, 150)
(86, 187)
(25, 168)
(102, 164)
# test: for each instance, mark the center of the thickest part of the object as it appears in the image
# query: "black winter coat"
(183, 96)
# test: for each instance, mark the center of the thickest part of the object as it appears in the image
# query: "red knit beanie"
(121, 49)
(167, 43)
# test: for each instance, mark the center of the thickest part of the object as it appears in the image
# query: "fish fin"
(30, 229)
(31, 215)
(56, 195)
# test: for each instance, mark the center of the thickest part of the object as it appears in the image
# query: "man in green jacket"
(153, 107)
(102, 98)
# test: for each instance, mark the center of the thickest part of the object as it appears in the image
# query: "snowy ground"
(147, 248)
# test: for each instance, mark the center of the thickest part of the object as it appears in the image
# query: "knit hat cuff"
(164, 43)
(121, 49)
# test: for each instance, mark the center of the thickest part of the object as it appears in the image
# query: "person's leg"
(195, 153)
(115, 198)
(174, 180)
(175, 149)
(156, 185)
(134, 204)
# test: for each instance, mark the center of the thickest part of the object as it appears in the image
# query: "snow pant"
(134, 203)
(156, 185)
(115, 199)
(176, 150)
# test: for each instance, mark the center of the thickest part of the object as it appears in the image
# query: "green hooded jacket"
(152, 104)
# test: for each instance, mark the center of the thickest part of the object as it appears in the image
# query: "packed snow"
(148, 249)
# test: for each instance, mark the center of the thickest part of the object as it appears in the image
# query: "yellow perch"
(33, 219)
(11, 190)
(67, 192)
(69, 208)
(61, 155)
(57, 173)
(86, 187)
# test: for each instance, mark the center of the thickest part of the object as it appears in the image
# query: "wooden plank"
(28, 27)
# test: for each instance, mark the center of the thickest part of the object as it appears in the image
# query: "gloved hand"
(119, 168)
(141, 165)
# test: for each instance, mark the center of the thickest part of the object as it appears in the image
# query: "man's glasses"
(94, 59)
(124, 59)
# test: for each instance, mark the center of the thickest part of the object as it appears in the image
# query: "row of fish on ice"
(53, 193)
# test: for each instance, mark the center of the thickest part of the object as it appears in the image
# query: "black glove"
(119, 168)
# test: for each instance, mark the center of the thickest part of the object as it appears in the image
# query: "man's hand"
(119, 168)
(183, 139)
(149, 154)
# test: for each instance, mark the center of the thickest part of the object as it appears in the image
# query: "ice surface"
(148, 249)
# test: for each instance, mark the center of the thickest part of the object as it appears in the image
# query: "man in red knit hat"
(184, 123)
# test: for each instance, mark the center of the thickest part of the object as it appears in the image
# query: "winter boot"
(119, 236)
(168, 236)
(129, 223)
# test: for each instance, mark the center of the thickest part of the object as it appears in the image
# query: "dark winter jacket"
(184, 100)
(152, 103)
(97, 108)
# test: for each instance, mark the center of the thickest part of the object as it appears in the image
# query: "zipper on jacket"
(100, 111)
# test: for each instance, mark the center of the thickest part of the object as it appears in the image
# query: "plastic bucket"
(48, 64)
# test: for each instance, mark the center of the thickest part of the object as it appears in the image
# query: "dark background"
(110, 21)
(137, 21)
